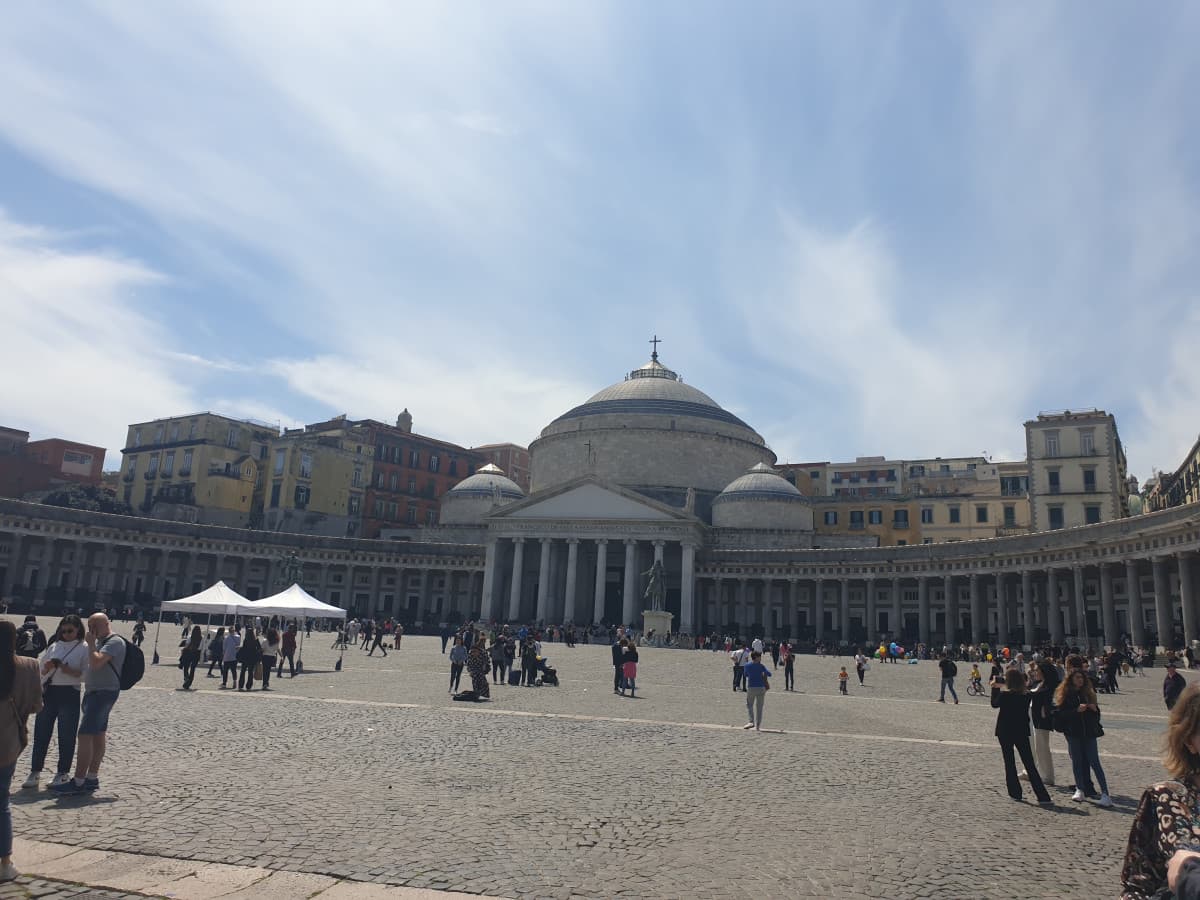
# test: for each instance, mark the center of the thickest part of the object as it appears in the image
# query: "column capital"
(659, 543)
(630, 542)
(600, 541)
(517, 540)
(573, 540)
(546, 540)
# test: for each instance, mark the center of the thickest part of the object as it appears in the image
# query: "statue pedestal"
(658, 620)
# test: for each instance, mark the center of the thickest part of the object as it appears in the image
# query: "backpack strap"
(110, 661)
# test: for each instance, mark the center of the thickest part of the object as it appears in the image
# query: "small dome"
(761, 483)
(486, 482)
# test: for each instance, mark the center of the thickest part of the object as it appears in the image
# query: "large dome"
(650, 432)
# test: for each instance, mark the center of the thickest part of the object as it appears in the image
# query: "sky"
(867, 229)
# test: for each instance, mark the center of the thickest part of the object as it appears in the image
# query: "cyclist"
(976, 678)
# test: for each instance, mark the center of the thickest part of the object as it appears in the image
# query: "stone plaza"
(373, 776)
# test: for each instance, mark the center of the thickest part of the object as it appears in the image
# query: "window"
(955, 515)
(412, 515)
(232, 439)
(391, 511)
(137, 437)
(1052, 443)
(901, 543)
(412, 485)
(1054, 481)
(414, 458)
(454, 467)
(174, 431)
(393, 481)
(398, 455)
(186, 467)
(434, 462)
(169, 463)
(856, 518)
(306, 465)
(891, 475)
(1091, 514)
(275, 488)
(814, 475)
(945, 468)
(301, 496)
(926, 515)
(430, 517)
(916, 471)
(1010, 515)
(280, 457)
(1089, 480)
(981, 515)
(354, 504)
(872, 476)
(1087, 442)
(875, 517)
(378, 506)
(158, 434)
(926, 540)
(131, 471)
(830, 517)
(356, 478)
(1056, 517)
(900, 518)
(191, 431)
(152, 469)
(379, 480)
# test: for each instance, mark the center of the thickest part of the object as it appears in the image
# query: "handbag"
(258, 671)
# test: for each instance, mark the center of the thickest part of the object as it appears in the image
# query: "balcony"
(129, 476)
(150, 476)
(900, 524)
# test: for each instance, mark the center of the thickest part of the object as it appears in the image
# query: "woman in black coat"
(1012, 729)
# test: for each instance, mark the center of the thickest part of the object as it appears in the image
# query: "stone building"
(652, 469)
(1077, 472)
(31, 469)
(1179, 487)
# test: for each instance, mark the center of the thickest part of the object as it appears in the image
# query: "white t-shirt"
(74, 654)
(757, 645)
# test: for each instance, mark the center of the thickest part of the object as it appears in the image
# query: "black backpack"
(28, 642)
(134, 666)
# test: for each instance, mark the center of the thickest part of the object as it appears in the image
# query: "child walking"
(843, 679)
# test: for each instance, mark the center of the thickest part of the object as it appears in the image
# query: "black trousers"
(229, 669)
(1021, 745)
(789, 678)
(529, 673)
(268, 664)
(617, 679)
(497, 670)
(455, 675)
(289, 655)
(246, 678)
(189, 669)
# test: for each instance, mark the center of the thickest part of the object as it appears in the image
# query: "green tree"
(91, 497)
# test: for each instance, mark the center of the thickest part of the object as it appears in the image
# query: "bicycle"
(976, 689)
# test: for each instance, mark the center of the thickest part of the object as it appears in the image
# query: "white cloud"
(82, 358)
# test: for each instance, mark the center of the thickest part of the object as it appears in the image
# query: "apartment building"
(1076, 468)
(1176, 488)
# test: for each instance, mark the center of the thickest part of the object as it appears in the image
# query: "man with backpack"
(949, 670)
(31, 640)
(113, 665)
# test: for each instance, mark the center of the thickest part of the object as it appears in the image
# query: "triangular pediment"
(590, 499)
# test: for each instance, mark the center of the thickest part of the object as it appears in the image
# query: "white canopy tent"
(295, 603)
(218, 599)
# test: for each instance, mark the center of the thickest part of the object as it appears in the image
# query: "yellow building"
(317, 479)
(1077, 471)
(202, 468)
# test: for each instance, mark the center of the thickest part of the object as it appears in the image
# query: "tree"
(90, 497)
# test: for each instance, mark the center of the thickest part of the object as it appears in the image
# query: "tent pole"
(300, 654)
(156, 631)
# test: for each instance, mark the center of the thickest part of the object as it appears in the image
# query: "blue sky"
(869, 228)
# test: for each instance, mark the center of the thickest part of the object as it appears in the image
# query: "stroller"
(547, 673)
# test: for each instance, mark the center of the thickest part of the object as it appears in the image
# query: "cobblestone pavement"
(44, 889)
(372, 774)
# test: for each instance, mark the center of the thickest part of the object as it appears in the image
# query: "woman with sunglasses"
(61, 668)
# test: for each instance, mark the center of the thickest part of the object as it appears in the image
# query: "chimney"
(404, 421)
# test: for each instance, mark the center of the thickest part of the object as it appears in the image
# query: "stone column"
(870, 619)
(629, 601)
(819, 609)
(514, 585)
(1108, 606)
(135, 564)
(572, 577)
(977, 616)
(1162, 604)
(1027, 607)
(422, 589)
(1053, 607)
(687, 589)
(742, 608)
(951, 602)
(1080, 605)
(543, 594)
(719, 616)
(187, 569)
(1001, 610)
(923, 609)
(15, 546)
(897, 622)
(793, 609)
(844, 612)
(1186, 599)
(1133, 599)
(488, 608)
(601, 581)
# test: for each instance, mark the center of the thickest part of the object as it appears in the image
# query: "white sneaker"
(8, 872)
(747, 726)
(1024, 776)
(32, 782)
(60, 778)
(1077, 796)
(1105, 800)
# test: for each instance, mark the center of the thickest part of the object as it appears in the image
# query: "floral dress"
(478, 667)
(1167, 818)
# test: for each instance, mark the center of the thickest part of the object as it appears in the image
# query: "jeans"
(268, 664)
(6, 837)
(754, 701)
(60, 704)
(789, 678)
(1021, 745)
(289, 655)
(1085, 756)
(455, 675)
(631, 685)
(948, 683)
(228, 669)
(737, 678)
(189, 669)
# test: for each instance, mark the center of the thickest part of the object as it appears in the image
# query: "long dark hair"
(272, 635)
(8, 658)
(196, 638)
